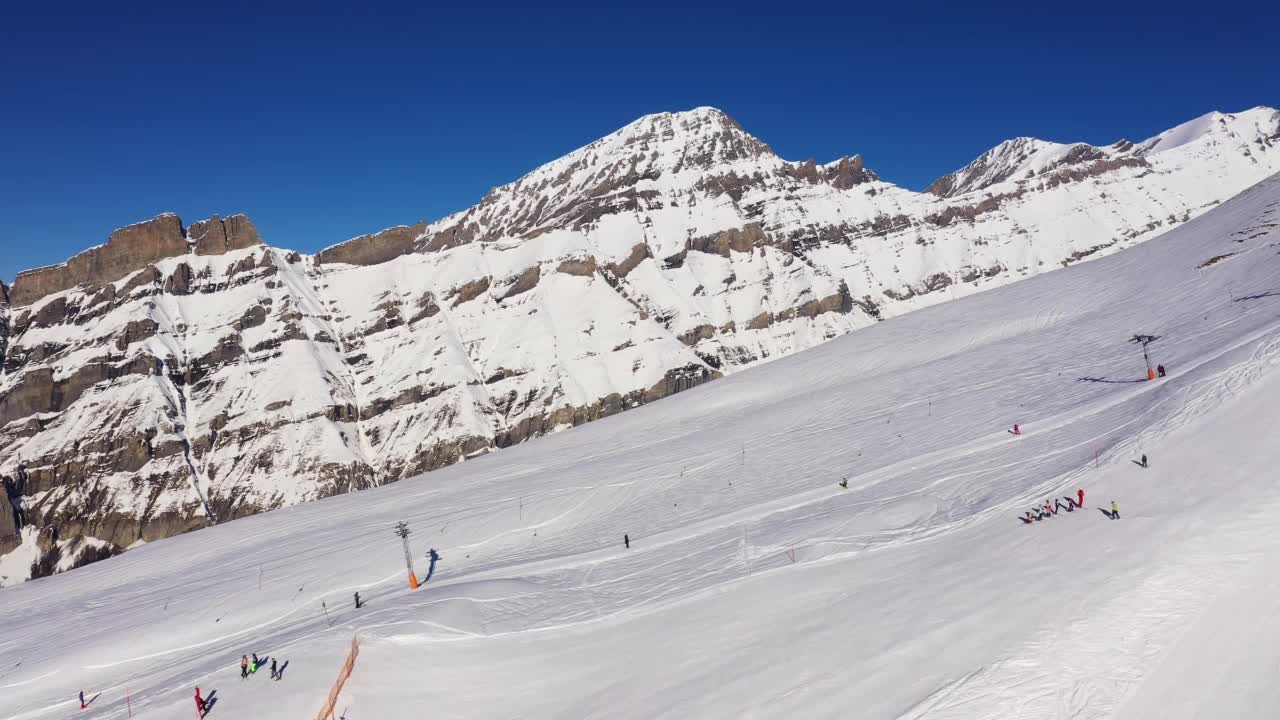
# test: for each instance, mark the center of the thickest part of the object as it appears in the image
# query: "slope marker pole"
(402, 531)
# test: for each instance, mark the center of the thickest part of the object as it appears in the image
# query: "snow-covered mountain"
(176, 374)
(755, 585)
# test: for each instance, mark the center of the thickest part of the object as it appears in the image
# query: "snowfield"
(755, 586)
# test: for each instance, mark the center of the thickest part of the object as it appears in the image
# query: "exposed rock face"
(127, 249)
(585, 267)
(374, 249)
(132, 248)
(151, 405)
(9, 527)
(4, 321)
(524, 282)
(218, 237)
(172, 379)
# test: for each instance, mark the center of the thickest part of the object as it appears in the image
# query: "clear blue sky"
(322, 124)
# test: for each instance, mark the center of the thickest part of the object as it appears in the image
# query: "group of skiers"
(249, 667)
(1049, 509)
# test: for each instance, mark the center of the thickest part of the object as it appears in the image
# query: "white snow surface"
(754, 585)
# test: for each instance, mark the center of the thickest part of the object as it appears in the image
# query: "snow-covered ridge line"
(1026, 157)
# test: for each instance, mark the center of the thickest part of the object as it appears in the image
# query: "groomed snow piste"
(755, 586)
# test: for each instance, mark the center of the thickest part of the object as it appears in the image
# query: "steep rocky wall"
(216, 236)
(126, 250)
(4, 322)
(133, 248)
(115, 403)
(8, 521)
(375, 248)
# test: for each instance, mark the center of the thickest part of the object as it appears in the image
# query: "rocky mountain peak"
(1012, 159)
(655, 157)
(698, 138)
(1025, 158)
(670, 159)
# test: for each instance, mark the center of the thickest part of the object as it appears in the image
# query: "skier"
(358, 603)
(200, 708)
(1017, 430)
(1160, 370)
(845, 483)
(1115, 511)
(1144, 461)
(434, 556)
(626, 541)
(253, 666)
(1080, 498)
(1048, 509)
(82, 705)
(244, 666)
(274, 671)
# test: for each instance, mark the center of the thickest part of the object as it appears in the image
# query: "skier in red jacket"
(1080, 497)
(200, 709)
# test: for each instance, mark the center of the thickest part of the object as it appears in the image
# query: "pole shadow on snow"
(1259, 296)
(1110, 382)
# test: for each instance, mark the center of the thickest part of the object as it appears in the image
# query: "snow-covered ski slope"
(755, 586)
